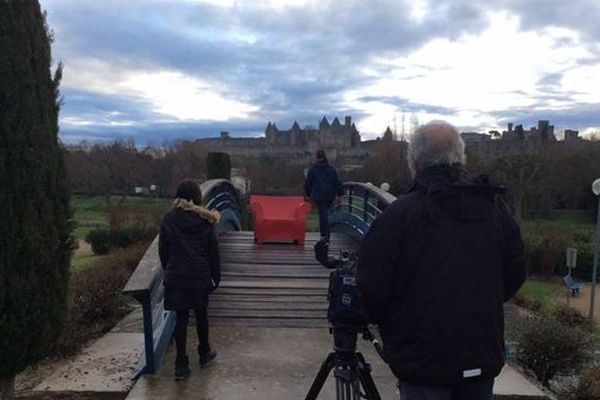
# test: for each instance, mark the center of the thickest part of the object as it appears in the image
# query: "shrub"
(571, 317)
(95, 301)
(589, 385)
(547, 347)
(528, 302)
(102, 240)
(99, 239)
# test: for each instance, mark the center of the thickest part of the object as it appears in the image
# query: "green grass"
(542, 292)
(80, 262)
(90, 212)
(312, 221)
(576, 219)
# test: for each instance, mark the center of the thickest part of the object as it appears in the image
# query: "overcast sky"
(156, 70)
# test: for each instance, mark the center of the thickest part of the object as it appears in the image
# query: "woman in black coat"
(189, 254)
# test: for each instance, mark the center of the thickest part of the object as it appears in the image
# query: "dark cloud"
(293, 62)
(581, 115)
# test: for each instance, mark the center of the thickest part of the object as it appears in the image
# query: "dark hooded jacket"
(322, 183)
(434, 271)
(189, 254)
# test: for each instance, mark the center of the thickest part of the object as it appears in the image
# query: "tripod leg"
(366, 379)
(321, 377)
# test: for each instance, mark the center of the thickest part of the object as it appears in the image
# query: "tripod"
(351, 371)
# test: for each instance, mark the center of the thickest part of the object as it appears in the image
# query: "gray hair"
(434, 143)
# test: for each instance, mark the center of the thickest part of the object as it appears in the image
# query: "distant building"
(515, 140)
(296, 143)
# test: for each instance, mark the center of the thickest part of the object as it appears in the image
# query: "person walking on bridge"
(189, 254)
(434, 271)
(322, 185)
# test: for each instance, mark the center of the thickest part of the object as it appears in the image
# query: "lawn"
(542, 292)
(92, 211)
(570, 219)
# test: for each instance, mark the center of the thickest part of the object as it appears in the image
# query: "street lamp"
(596, 191)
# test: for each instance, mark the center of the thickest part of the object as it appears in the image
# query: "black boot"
(182, 368)
(205, 356)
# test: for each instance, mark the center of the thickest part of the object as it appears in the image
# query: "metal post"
(365, 205)
(148, 334)
(595, 265)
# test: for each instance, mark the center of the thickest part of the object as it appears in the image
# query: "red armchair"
(279, 218)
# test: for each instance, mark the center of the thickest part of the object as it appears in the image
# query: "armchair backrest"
(277, 207)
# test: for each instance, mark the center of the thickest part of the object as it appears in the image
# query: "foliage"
(35, 233)
(100, 241)
(588, 387)
(547, 348)
(537, 295)
(218, 166)
(118, 167)
(571, 317)
(546, 243)
(95, 300)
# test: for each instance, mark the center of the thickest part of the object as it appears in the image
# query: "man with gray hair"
(435, 269)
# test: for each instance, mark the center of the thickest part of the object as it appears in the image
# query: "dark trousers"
(466, 391)
(181, 325)
(323, 209)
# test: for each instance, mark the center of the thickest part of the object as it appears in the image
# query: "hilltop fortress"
(298, 144)
(343, 141)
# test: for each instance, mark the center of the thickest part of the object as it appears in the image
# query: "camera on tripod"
(345, 309)
(347, 318)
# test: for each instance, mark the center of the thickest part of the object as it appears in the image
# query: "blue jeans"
(466, 391)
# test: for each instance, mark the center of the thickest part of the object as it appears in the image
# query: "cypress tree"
(218, 166)
(35, 228)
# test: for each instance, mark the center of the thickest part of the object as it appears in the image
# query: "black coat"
(189, 254)
(322, 183)
(434, 271)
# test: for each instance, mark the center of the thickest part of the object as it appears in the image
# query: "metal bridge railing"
(146, 282)
(360, 204)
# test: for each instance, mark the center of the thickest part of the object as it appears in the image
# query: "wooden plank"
(264, 313)
(276, 284)
(272, 305)
(271, 291)
(264, 322)
(320, 298)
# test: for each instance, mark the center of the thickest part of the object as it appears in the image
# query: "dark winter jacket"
(434, 271)
(189, 251)
(322, 183)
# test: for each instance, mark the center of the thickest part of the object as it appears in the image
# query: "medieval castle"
(297, 144)
(343, 140)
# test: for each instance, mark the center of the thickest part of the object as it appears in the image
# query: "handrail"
(360, 204)
(146, 282)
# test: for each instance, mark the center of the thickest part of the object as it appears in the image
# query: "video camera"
(345, 309)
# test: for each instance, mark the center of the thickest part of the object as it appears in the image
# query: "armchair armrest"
(257, 209)
(301, 210)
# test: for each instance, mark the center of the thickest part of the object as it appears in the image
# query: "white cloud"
(185, 98)
(478, 75)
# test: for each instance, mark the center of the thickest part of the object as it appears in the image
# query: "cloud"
(169, 65)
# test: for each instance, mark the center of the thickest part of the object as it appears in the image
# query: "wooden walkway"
(272, 285)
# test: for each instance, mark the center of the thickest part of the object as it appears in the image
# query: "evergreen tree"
(218, 166)
(35, 228)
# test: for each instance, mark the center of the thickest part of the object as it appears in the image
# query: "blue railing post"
(149, 368)
(350, 193)
(365, 205)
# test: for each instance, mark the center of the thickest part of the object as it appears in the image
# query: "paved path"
(259, 363)
(581, 302)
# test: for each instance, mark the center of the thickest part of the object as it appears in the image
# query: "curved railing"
(146, 282)
(360, 204)
(220, 195)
